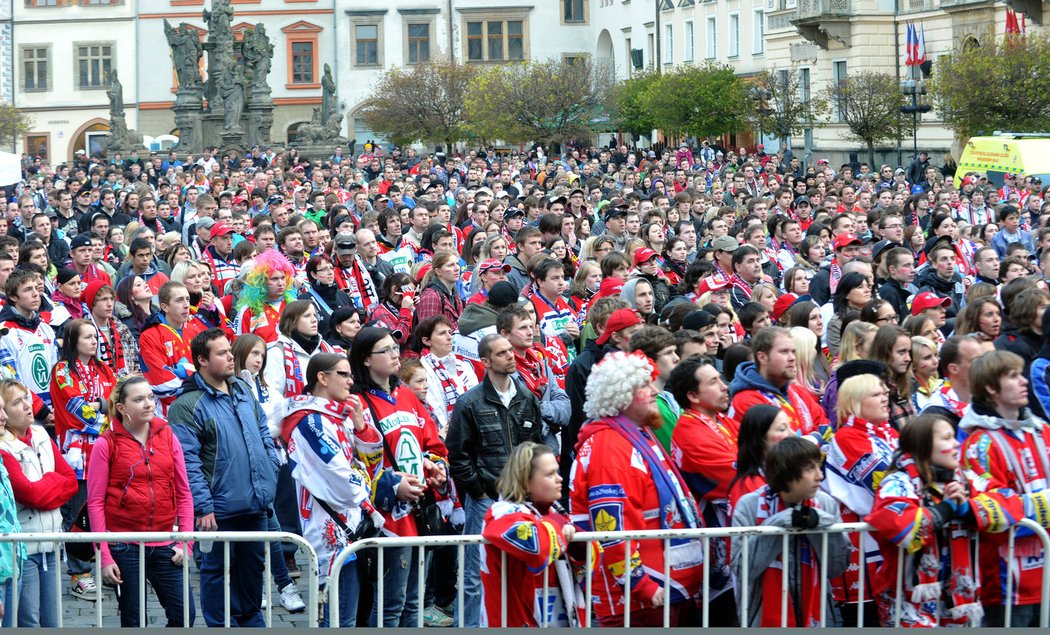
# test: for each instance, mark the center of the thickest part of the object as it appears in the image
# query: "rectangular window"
(838, 75)
(36, 145)
(42, 3)
(803, 84)
(495, 41)
(669, 44)
(712, 37)
(573, 11)
(302, 62)
(418, 43)
(758, 33)
(734, 35)
(93, 64)
(34, 69)
(367, 44)
(690, 42)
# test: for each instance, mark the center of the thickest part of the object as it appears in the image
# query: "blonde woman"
(764, 294)
(926, 383)
(856, 344)
(805, 360)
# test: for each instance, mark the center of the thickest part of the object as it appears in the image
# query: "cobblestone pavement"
(82, 613)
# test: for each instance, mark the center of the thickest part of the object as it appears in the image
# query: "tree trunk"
(871, 156)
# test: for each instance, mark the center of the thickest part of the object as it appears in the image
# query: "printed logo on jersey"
(605, 492)
(41, 372)
(607, 516)
(523, 536)
(408, 454)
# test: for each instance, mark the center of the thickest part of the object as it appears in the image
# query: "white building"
(378, 35)
(64, 50)
(7, 71)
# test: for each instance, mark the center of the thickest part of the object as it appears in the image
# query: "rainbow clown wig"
(254, 294)
(613, 382)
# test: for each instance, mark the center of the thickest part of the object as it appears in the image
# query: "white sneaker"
(291, 600)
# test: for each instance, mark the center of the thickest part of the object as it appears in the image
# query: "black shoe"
(293, 567)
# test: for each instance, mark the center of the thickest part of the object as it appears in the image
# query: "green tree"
(782, 109)
(13, 124)
(869, 104)
(1001, 84)
(551, 101)
(698, 100)
(423, 103)
(627, 103)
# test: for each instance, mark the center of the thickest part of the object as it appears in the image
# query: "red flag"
(909, 48)
(1012, 27)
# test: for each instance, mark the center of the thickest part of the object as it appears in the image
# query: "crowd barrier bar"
(224, 537)
(703, 534)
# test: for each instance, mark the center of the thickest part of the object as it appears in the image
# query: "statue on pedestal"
(233, 89)
(329, 104)
(120, 137)
(186, 54)
(115, 92)
(258, 53)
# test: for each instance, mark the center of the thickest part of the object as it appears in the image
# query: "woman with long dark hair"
(439, 296)
(853, 294)
(413, 448)
(395, 310)
(762, 427)
(134, 304)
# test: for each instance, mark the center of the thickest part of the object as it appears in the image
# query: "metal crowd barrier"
(223, 537)
(705, 535)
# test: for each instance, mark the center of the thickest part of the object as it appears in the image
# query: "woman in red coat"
(529, 525)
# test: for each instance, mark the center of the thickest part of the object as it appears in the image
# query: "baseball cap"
(899, 171)
(609, 287)
(493, 263)
(238, 199)
(782, 304)
(80, 240)
(502, 294)
(221, 229)
(927, 300)
(276, 199)
(84, 191)
(697, 320)
(761, 146)
(845, 240)
(205, 222)
(802, 199)
(711, 283)
(512, 212)
(557, 198)
(725, 243)
(618, 321)
(934, 242)
(345, 243)
(882, 246)
(643, 255)
(617, 202)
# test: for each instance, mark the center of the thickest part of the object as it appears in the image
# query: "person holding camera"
(791, 499)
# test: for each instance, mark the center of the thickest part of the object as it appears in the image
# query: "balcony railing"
(808, 9)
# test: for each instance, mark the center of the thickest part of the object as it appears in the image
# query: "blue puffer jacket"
(230, 456)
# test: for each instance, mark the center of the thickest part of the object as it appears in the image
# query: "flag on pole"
(1012, 27)
(909, 46)
(920, 46)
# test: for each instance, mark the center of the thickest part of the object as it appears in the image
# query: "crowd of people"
(524, 345)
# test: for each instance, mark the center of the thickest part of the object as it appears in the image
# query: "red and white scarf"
(357, 283)
(836, 275)
(532, 369)
(738, 283)
(452, 385)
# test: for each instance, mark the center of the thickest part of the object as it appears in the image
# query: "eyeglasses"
(390, 351)
(886, 318)
(345, 374)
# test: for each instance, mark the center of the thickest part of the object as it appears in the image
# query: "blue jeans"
(473, 598)
(349, 591)
(247, 564)
(161, 572)
(278, 567)
(37, 599)
(400, 589)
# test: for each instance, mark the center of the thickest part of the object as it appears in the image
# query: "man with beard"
(768, 380)
(619, 473)
(704, 447)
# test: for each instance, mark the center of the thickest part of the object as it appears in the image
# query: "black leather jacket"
(483, 431)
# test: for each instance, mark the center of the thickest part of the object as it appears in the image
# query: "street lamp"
(914, 88)
(760, 96)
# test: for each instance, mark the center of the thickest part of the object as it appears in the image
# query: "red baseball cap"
(643, 255)
(782, 304)
(618, 321)
(609, 287)
(711, 283)
(221, 229)
(493, 263)
(845, 240)
(927, 300)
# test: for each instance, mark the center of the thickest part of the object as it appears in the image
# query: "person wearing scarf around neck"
(448, 377)
(860, 454)
(925, 506)
(621, 471)
(204, 310)
(322, 290)
(117, 347)
(266, 292)
(791, 499)
(68, 304)
(287, 357)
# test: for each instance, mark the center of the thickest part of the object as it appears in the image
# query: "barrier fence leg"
(267, 586)
(421, 577)
(16, 583)
(98, 586)
(1008, 600)
(460, 564)
(745, 583)
(502, 590)
(546, 594)
(58, 584)
(143, 620)
(667, 582)
(899, 597)
(860, 583)
(589, 572)
(824, 580)
(226, 578)
(784, 549)
(380, 568)
(705, 593)
(187, 553)
(627, 585)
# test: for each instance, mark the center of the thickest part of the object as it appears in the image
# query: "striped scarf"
(451, 384)
(738, 283)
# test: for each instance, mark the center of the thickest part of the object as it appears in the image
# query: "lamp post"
(914, 88)
(761, 96)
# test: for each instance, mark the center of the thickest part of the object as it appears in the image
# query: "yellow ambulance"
(1006, 153)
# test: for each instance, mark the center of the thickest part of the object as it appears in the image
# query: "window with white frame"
(712, 37)
(758, 32)
(734, 35)
(669, 44)
(838, 75)
(690, 42)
